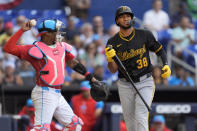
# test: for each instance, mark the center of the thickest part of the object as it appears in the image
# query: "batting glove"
(166, 71)
(110, 53)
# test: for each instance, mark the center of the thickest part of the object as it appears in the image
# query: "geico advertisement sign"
(116, 109)
(173, 109)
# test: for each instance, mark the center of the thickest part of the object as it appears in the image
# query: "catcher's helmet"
(123, 10)
(50, 26)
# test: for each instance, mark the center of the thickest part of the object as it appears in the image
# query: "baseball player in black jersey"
(132, 47)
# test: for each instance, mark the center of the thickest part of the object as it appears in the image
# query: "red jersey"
(22, 52)
(165, 129)
(85, 109)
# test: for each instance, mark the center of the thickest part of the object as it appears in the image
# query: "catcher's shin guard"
(45, 127)
(75, 125)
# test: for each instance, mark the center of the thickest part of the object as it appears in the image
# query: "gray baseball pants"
(134, 110)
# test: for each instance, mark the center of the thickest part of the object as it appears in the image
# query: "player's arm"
(112, 66)
(110, 53)
(11, 46)
(156, 47)
(80, 68)
(162, 54)
(166, 69)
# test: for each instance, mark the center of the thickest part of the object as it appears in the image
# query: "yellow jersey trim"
(125, 38)
(159, 49)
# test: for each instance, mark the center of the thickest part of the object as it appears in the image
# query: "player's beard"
(126, 27)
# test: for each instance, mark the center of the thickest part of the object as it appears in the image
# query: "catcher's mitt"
(99, 91)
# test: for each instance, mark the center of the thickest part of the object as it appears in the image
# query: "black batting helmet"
(123, 10)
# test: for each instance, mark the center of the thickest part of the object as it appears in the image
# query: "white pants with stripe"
(49, 102)
(134, 111)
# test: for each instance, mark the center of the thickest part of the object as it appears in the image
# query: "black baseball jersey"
(133, 51)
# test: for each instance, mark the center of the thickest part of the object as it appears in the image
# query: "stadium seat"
(164, 37)
(54, 14)
(78, 22)
(8, 15)
(30, 14)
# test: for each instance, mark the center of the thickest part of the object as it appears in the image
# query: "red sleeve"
(18, 50)
(69, 56)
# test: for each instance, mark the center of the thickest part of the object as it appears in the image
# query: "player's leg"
(45, 104)
(127, 100)
(147, 89)
(65, 115)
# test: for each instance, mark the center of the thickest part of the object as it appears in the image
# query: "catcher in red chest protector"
(48, 57)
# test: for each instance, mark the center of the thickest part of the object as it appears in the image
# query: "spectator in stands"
(76, 77)
(113, 29)
(91, 58)
(181, 78)
(77, 46)
(99, 33)
(182, 36)
(26, 72)
(98, 25)
(7, 34)
(71, 7)
(82, 8)
(29, 36)
(1, 26)
(87, 34)
(27, 114)
(20, 20)
(157, 76)
(159, 124)
(86, 108)
(11, 79)
(156, 19)
(181, 11)
(71, 30)
(8, 58)
(99, 72)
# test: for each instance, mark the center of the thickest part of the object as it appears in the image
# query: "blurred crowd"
(177, 29)
(89, 39)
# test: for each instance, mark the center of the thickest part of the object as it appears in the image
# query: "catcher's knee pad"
(45, 127)
(75, 125)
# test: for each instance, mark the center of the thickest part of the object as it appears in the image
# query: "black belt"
(135, 80)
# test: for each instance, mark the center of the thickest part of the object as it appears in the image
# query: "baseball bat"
(126, 74)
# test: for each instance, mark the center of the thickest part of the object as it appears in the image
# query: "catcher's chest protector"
(52, 73)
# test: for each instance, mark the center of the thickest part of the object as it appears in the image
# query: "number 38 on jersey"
(142, 63)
